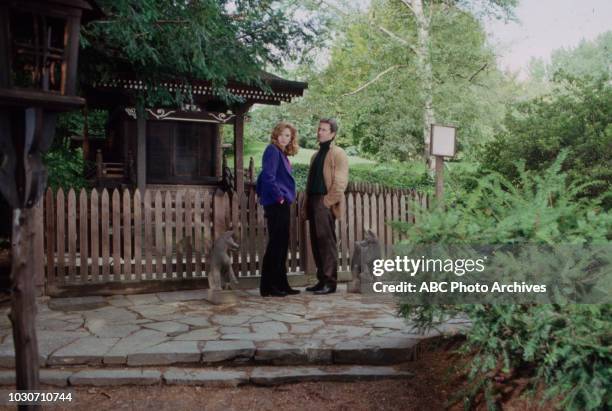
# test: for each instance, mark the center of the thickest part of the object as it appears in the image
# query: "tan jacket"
(336, 175)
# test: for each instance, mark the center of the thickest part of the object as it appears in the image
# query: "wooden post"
(439, 178)
(219, 153)
(306, 258)
(23, 308)
(251, 170)
(310, 263)
(141, 155)
(239, 153)
(220, 214)
(85, 134)
(38, 255)
(99, 171)
(74, 23)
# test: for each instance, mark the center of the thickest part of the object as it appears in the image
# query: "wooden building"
(176, 146)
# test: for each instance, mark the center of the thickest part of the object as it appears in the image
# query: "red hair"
(291, 148)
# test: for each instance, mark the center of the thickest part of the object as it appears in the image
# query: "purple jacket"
(275, 181)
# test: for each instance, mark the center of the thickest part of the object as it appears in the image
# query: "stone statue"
(362, 261)
(221, 275)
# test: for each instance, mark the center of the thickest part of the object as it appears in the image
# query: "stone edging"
(210, 376)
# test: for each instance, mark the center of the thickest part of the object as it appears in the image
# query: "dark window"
(187, 145)
(180, 152)
(159, 150)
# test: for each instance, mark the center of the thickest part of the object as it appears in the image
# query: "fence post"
(50, 236)
(39, 252)
(306, 257)
(220, 216)
(251, 170)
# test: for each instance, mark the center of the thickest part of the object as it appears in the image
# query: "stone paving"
(181, 328)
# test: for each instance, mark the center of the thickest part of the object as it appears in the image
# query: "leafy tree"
(575, 116)
(372, 82)
(419, 17)
(214, 40)
(589, 58)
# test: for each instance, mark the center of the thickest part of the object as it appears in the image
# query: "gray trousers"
(322, 227)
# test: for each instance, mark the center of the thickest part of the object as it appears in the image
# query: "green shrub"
(394, 174)
(538, 208)
(564, 348)
(65, 167)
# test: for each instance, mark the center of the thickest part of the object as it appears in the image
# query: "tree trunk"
(423, 51)
(23, 309)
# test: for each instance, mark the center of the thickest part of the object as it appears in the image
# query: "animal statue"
(362, 261)
(221, 275)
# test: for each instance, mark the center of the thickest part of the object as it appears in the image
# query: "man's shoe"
(326, 290)
(273, 292)
(316, 287)
(291, 291)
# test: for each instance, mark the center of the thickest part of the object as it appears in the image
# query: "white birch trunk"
(424, 68)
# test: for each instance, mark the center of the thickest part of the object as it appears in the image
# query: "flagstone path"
(181, 329)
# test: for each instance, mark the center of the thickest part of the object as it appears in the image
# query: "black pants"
(322, 227)
(274, 265)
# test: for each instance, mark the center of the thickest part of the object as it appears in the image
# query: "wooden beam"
(32, 98)
(141, 156)
(239, 153)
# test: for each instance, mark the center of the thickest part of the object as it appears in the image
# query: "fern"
(564, 348)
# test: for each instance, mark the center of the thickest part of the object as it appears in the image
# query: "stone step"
(364, 351)
(272, 375)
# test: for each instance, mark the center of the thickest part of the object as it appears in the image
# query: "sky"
(544, 26)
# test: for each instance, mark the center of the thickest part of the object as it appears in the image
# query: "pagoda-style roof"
(203, 91)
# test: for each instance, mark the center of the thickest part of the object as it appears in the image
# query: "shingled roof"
(280, 89)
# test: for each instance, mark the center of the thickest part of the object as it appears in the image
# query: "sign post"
(443, 144)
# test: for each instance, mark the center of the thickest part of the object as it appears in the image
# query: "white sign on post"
(443, 140)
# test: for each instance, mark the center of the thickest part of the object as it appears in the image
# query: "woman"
(276, 191)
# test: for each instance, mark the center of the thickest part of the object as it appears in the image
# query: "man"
(324, 203)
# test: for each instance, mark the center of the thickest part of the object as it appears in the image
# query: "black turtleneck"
(316, 182)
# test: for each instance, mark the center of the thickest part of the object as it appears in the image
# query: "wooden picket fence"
(93, 237)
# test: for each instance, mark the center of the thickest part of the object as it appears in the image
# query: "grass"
(255, 149)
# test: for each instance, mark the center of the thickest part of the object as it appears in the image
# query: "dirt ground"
(430, 389)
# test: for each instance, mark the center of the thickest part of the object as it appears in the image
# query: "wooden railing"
(108, 170)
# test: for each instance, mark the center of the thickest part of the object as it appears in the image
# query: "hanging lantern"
(39, 45)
